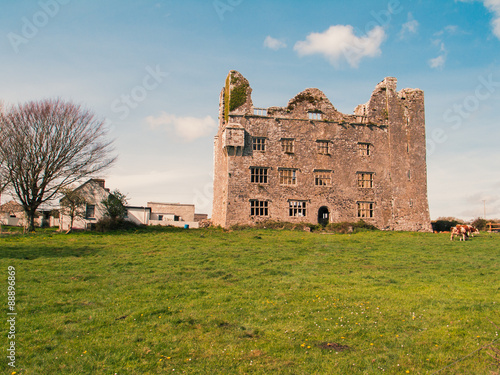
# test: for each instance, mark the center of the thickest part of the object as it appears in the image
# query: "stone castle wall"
(387, 187)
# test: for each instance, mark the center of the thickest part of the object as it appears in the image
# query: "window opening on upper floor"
(287, 145)
(260, 111)
(314, 115)
(365, 149)
(259, 143)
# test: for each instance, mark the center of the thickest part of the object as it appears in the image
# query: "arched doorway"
(323, 216)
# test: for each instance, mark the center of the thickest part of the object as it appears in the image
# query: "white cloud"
(409, 27)
(494, 7)
(340, 43)
(274, 44)
(188, 128)
(437, 62)
(452, 29)
(441, 45)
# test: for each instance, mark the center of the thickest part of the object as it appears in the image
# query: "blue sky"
(154, 71)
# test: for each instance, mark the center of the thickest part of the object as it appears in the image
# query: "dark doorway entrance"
(323, 216)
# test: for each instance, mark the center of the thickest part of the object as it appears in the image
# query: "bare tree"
(3, 179)
(48, 145)
(73, 205)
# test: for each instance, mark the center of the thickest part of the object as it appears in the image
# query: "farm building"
(307, 162)
(12, 214)
(94, 192)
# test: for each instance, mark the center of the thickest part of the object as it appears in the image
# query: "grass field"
(252, 302)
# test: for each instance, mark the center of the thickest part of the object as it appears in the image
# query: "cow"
(459, 230)
(471, 230)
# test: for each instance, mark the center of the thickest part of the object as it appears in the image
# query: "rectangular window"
(90, 211)
(365, 149)
(259, 208)
(297, 208)
(314, 115)
(260, 112)
(259, 143)
(322, 178)
(287, 145)
(365, 209)
(323, 147)
(160, 217)
(288, 176)
(258, 175)
(365, 179)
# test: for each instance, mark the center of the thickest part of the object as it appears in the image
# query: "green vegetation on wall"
(236, 96)
(226, 99)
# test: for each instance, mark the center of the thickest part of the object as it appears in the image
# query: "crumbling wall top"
(237, 95)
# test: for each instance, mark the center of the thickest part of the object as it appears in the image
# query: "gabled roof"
(94, 181)
(97, 182)
(11, 206)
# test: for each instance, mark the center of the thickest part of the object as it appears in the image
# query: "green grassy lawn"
(252, 302)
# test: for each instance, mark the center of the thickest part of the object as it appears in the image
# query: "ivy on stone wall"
(238, 95)
(235, 93)
(226, 100)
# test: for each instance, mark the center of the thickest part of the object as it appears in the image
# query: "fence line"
(493, 226)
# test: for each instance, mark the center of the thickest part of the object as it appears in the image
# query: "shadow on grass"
(14, 251)
(49, 243)
(44, 243)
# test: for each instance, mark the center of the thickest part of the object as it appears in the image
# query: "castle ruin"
(307, 162)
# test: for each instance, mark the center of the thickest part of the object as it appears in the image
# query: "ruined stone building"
(307, 162)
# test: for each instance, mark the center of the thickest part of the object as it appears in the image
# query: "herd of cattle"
(464, 231)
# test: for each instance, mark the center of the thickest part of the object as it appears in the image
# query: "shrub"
(480, 224)
(107, 224)
(281, 225)
(348, 227)
(344, 227)
(114, 205)
(444, 224)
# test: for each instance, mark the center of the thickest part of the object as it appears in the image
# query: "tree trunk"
(70, 228)
(31, 220)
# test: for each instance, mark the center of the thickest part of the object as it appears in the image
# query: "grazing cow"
(459, 230)
(470, 230)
